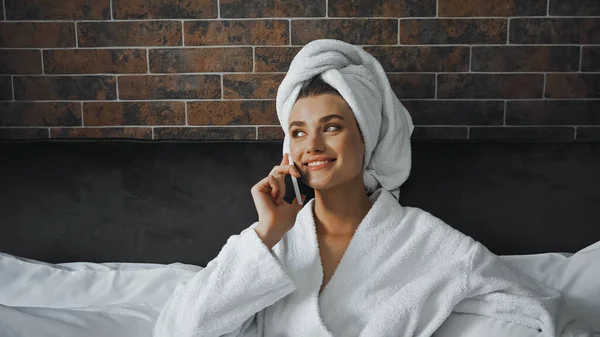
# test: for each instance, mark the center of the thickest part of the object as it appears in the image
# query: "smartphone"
(304, 189)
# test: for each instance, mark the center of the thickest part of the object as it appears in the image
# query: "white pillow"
(577, 276)
(84, 299)
(31, 283)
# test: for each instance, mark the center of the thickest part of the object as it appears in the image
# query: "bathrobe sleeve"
(227, 297)
(496, 290)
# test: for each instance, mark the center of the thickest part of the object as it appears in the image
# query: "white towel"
(402, 274)
(385, 124)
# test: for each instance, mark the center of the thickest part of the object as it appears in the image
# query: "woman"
(352, 261)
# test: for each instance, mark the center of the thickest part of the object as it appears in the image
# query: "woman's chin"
(319, 185)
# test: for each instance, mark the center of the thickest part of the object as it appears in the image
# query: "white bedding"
(124, 299)
(84, 299)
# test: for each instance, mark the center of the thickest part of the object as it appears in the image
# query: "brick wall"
(209, 69)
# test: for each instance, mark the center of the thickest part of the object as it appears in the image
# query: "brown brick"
(139, 33)
(6, 92)
(555, 31)
(274, 59)
(65, 88)
(39, 114)
(421, 59)
(387, 8)
(546, 133)
(453, 31)
(559, 112)
(20, 62)
(37, 34)
(534, 58)
(134, 113)
(590, 59)
(206, 133)
(490, 85)
(95, 61)
(435, 112)
(164, 9)
(573, 86)
(170, 87)
(261, 86)
(354, 31)
(57, 10)
(273, 8)
(575, 7)
(234, 32)
(492, 7)
(104, 133)
(413, 85)
(439, 133)
(23, 133)
(588, 133)
(228, 59)
(270, 133)
(232, 113)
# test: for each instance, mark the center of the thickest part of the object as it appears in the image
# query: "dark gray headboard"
(124, 201)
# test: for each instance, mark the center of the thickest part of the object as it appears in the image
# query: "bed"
(96, 234)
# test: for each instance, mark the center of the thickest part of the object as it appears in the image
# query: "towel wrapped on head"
(385, 124)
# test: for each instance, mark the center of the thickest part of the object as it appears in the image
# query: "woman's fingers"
(285, 163)
(285, 159)
(274, 184)
(286, 169)
(274, 187)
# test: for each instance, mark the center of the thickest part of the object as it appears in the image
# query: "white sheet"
(84, 299)
(52, 300)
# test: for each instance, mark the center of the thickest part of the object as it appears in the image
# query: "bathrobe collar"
(303, 244)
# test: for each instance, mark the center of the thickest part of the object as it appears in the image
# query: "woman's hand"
(275, 216)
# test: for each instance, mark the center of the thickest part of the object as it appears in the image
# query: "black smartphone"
(289, 189)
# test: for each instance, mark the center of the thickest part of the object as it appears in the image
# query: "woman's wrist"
(269, 236)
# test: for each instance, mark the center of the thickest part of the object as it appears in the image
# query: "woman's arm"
(224, 298)
(498, 291)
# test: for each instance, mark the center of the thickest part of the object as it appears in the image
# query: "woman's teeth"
(315, 163)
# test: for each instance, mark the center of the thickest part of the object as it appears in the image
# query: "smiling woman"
(328, 145)
(352, 261)
(327, 142)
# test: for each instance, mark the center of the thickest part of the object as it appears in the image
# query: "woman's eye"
(331, 126)
(295, 133)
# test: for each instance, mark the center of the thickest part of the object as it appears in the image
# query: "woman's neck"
(339, 210)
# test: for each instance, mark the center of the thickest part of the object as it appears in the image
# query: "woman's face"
(324, 127)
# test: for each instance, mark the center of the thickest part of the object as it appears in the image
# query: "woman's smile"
(314, 166)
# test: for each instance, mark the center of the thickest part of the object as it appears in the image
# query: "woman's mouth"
(317, 165)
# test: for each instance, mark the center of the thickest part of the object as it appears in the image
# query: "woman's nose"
(314, 143)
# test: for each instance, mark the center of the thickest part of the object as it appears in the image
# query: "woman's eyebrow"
(322, 120)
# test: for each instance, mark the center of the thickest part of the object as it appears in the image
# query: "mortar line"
(580, 57)
(76, 37)
(544, 87)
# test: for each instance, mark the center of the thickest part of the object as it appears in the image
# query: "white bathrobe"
(402, 274)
